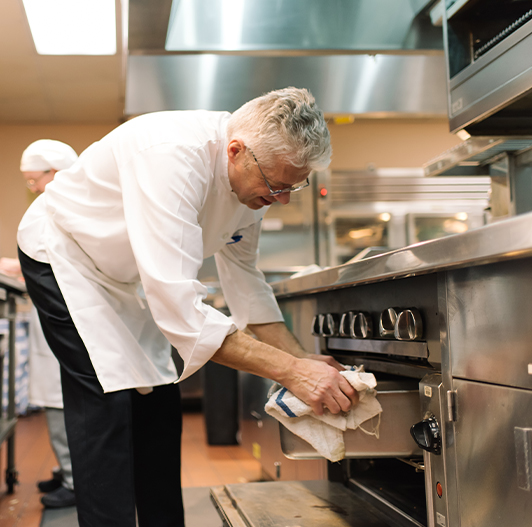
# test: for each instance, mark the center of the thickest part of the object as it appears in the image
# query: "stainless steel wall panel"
(490, 328)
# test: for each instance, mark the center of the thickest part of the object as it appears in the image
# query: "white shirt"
(145, 205)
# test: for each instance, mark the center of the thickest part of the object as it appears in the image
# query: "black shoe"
(59, 498)
(50, 485)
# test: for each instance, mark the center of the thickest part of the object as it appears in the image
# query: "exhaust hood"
(382, 85)
(305, 25)
(218, 54)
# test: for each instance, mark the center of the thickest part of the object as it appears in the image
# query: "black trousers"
(125, 447)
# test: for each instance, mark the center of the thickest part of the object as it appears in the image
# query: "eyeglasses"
(283, 190)
(30, 183)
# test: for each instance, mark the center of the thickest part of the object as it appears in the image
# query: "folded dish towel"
(325, 432)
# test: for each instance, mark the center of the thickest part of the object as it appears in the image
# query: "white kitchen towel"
(325, 432)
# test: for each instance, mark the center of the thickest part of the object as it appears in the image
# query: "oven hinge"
(451, 405)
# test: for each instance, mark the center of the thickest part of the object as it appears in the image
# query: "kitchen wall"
(14, 196)
(386, 143)
(381, 142)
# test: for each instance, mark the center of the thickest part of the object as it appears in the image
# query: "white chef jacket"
(126, 229)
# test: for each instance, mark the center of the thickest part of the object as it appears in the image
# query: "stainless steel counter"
(505, 240)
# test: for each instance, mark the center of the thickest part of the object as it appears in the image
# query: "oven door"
(300, 504)
(400, 410)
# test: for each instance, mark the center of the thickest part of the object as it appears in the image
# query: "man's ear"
(234, 149)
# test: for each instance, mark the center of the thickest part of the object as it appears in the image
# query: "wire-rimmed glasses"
(283, 190)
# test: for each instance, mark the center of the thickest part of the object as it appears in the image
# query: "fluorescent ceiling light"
(72, 27)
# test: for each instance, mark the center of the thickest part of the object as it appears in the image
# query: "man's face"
(248, 183)
(36, 181)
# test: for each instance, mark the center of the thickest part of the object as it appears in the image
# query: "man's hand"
(320, 385)
(331, 361)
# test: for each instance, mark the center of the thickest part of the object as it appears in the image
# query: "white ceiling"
(54, 89)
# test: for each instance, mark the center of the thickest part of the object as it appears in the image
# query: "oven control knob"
(408, 325)
(317, 323)
(387, 321)
(345, 324)
(427, 435)
(330, 325)
(361, 326)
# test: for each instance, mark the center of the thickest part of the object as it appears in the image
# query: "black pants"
(125, 447)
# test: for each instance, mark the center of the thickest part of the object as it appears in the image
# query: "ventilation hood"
(218, 54)
(383, 85)
(304, 25)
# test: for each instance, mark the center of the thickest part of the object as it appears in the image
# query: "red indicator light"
(439, 490)
(323, 192)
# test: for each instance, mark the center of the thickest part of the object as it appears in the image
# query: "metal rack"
(9, 291)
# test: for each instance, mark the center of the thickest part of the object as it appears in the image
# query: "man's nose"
(283, 198)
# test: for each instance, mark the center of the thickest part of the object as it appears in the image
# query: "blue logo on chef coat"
(236, 238)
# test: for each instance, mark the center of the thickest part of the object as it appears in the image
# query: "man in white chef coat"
(111, 253)
(39, 163)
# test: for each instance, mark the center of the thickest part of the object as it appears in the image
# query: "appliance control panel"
(392, 323)
(397, 320)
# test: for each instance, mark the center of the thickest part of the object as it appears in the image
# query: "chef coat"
(44, 372)
(126, 229)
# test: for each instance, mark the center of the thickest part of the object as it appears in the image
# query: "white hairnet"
(47, 154)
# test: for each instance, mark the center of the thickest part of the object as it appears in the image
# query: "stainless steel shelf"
(471, 158)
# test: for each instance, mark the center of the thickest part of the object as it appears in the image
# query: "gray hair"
(284, 124)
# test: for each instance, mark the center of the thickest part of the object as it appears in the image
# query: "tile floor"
(202, 466)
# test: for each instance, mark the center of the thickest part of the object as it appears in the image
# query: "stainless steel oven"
(444, 325)
(488, 47)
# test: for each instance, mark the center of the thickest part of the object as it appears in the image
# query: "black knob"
(427, 435)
